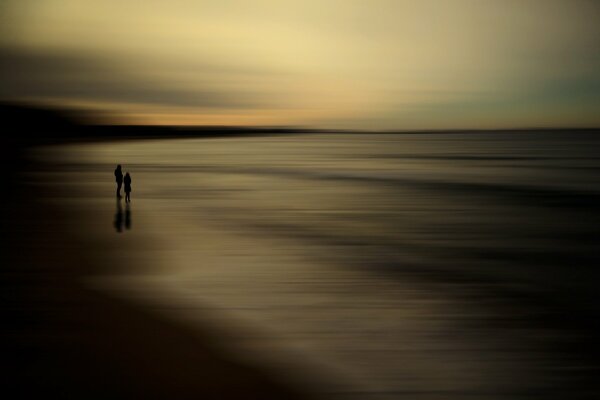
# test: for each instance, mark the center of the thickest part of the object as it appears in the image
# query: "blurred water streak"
(425, 265)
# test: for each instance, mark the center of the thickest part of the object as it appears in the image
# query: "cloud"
(27, 74)
(357, 64)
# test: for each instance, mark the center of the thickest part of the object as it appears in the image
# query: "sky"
(347, 64)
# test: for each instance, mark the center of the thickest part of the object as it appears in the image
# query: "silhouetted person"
(127, 217)
(119, 179)
(118, 223)
(127, 188)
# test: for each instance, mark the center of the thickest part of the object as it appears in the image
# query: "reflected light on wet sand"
(432, 266)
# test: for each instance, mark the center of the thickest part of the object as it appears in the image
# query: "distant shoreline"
(104, 133)
(31, 126)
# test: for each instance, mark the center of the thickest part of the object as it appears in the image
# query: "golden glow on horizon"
(349, 64)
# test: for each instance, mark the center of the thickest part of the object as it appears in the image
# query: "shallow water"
(369, 266)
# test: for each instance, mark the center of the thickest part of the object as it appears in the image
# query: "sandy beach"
(311, 266)
(63, 339)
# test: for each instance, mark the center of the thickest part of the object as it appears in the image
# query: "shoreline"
(64, 339)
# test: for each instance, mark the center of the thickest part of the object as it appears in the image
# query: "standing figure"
(127, 188)
(119, 179)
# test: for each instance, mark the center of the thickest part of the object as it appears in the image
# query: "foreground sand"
(64, 340)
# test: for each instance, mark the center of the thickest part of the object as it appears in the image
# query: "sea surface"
(364, 266)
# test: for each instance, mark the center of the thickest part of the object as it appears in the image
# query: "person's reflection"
(118, 223)
(128, 216)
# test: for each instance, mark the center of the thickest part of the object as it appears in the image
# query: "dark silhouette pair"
(120, 180)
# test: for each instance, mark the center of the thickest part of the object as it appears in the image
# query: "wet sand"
(430, 267)
(61, 338)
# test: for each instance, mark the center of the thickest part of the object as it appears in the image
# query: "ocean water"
(364, 266)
